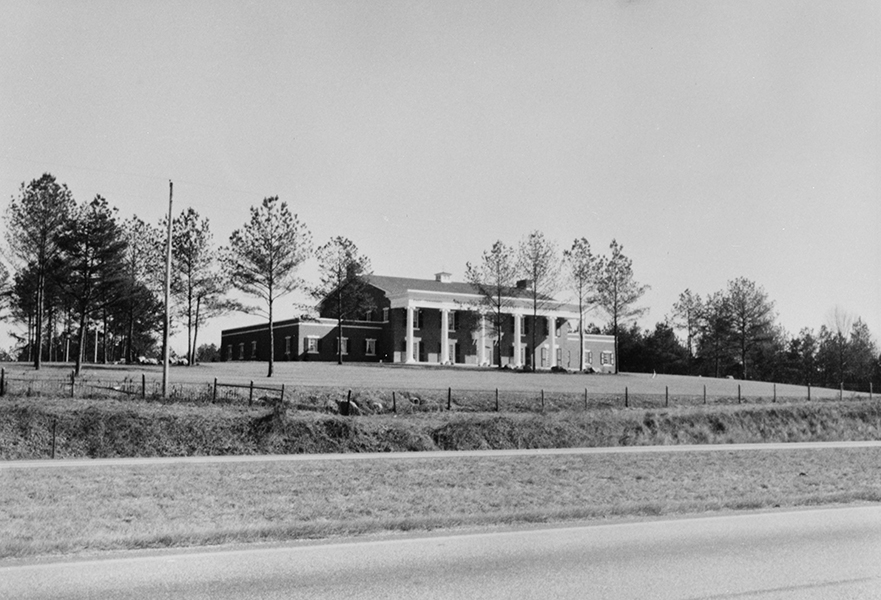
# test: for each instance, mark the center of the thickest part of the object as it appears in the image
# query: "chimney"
(443, 277)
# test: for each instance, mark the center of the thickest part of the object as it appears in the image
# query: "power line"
(129, 174)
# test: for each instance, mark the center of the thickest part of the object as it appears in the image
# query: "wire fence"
(377, 400)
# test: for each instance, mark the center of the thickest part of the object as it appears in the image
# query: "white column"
(481, 348)
(410, 340)
(445, 336)
(518, 328)
(552, 334)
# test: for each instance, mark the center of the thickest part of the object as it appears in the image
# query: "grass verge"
(52, 511)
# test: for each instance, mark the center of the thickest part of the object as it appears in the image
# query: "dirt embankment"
(101, 428)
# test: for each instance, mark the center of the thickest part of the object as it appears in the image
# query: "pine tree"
(263, 258)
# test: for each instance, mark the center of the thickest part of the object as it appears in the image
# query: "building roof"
(397, 286)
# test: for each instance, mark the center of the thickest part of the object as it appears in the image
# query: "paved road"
(96, 462)
(831, 554)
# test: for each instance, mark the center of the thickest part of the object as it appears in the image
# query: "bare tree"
(493, 278)
(33, 221)
(617, 291)
(687, 314)
(343, 291)
(840, 324)
(263, 258)
(582, 269)
(539, 262)
(752, 317)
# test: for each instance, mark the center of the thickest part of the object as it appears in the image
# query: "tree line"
(79, 270)
(734, 333)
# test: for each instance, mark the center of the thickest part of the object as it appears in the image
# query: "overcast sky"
(712, 139)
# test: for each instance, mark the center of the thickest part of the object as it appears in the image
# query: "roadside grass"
(32, 427)
(62, 511)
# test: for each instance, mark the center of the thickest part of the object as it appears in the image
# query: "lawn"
(55, 510)
(414, 378)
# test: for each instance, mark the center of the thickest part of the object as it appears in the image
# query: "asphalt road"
(833, 554)
(97, 462)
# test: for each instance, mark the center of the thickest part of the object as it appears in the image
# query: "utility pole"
(167, 327)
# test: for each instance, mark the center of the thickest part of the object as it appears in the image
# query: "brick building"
(427, 321)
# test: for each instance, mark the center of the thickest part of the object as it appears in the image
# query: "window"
(241, 351)
(287, 345)
(312, 344)
(229, 352)
(254, 349)
(345, 345)
(544, 357)
(451, 321)
(385, 315)
(368, 316)
(588, 357)
(606, 359)
(370, 347)
(417, 318)
(545, 322)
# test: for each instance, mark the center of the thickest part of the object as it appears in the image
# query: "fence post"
(542, 401)
(72, 382)
(282, 393)
(705, 393)
(666, 395)
(738, 393)
(497, 399)
(3, 382)
(840, 391)
(449, 398)
(54, 425)
(585, 398)
(809, 392)
(775, 393)
(251, 394)
(143, 386)
(870, 391)
(349, 403)
(394, 403)
(626, 397)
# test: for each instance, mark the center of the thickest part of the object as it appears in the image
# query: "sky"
(713, 140)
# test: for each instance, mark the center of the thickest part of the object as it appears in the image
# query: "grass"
(51, 511)
(111, 428)
(388, 377)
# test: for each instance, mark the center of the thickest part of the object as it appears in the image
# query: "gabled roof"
(398, 286)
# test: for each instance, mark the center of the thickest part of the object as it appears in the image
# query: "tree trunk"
(339, 333)
(81, 343)
(192, 358)
(271, 342)
(38, 322)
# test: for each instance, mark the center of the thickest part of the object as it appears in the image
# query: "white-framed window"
(544, 357)
(241, 350)
(229, 352)
(368, 316)
(254, 349)
(370, 347)
(606, 359)
(345, 342)
(588, 357)
(311, 343)
(385, 315)
(287, 345)
(451, 321)
(417, 318)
